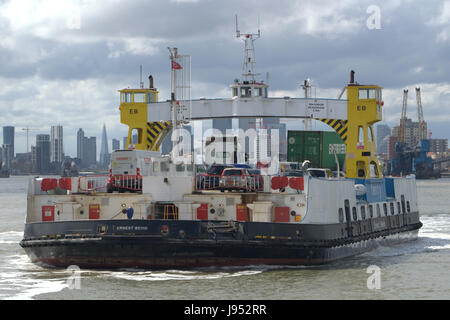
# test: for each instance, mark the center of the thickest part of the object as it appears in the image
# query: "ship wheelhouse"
(248, 89)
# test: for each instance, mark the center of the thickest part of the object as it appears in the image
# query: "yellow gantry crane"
(364, 109)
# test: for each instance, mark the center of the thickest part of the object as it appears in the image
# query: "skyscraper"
(89, 151)
(7, 155)
(80, 139)
(8, 138)
(115, 144)
(86, 149)
(104, 153)
(383, 130)
(42, 153)
(56, 144)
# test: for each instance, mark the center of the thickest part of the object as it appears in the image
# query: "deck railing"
(246, 183)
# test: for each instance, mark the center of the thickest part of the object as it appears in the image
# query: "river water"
(414, 270)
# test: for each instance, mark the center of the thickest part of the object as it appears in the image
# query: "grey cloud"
(405, 52)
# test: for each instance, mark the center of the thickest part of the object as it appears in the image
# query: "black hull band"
(187, 244)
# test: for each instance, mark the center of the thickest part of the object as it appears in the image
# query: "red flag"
(175, 65)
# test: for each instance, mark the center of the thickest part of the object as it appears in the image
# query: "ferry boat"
(154, 211)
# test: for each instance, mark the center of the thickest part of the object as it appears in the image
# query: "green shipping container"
(319, 147)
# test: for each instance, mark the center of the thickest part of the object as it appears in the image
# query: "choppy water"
(414, 270)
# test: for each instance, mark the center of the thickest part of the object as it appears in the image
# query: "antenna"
(259, 31)
(249, 64)
(140, 78)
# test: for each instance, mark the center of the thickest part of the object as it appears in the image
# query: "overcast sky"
(62, 62)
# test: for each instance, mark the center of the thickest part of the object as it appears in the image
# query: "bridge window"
(246, 92)
(363, 212)
(392, 208)
(408, 207)
(379, 95)
(235, 92)
(139, 97)
(385, 209)
(126, 97)
(378, 211)
(257, 92)
(355, 214)
(366, 94)
(370, 211)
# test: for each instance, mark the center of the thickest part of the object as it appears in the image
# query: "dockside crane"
(422, 124)
(423, 164)
(402, 162)
(412, 159)
(402, 127)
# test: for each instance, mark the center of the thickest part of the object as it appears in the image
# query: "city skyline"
(21, 147)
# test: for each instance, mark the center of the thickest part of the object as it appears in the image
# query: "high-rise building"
(86, 149)
(7, 155)
(438, 145)
(391, 141)
(115, 144)
(383, 130)
(89, 151)
(80, 140)
(56, 144)
(33, 159)
(8, 138)
(42, 153)
(411, 132)
(104, 152)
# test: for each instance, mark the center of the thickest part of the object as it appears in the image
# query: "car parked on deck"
(235, 179)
